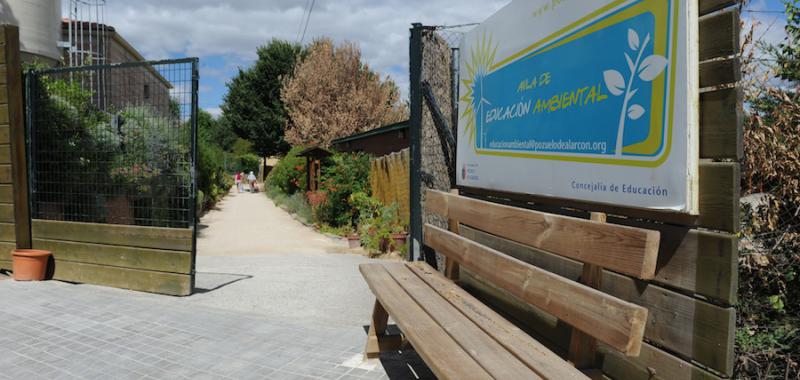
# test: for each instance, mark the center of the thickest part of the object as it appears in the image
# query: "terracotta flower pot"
(398, 240)
(353, 241)
(30, 264)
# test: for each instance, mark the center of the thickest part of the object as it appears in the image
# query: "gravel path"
(254, 257)
(246, 224)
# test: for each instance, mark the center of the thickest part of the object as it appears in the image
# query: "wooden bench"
(459, 337)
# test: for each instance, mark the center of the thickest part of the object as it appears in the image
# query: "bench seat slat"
(618, 323)
(492, 356)
(442, 354)
(546, 363)
(629, 250)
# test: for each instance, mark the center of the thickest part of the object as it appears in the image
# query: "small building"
(314, 157)
(100, 44)
(376, 142)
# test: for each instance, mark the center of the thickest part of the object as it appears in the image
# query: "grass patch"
(294, 204)
(342, 231)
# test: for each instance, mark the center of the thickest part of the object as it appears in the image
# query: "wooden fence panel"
(131, 257)
(691, 323)
(124, 278)
(685, 325)
(708, 6)
(389, 180)
(176, 239)
(150, 259)
(652, 363)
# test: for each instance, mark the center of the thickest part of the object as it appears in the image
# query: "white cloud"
(214, 111)
(161, 28)
(235, 28)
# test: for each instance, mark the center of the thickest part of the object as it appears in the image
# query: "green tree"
(212, 179)
(215, 131)
(253, 106)
(223, 134)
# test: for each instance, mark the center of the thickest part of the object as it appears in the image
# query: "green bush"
(294, 204)
(289, 175)
(75, 146)
(212, 179)
(376, 230)
(345, 174)
(135, 153)
(248, 162)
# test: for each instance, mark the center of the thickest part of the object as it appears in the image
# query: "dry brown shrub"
(768, 313)
(334, 94)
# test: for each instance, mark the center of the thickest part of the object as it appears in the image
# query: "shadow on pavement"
(404, 364)
(208, 282)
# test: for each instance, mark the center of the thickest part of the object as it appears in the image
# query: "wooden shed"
(376, 142)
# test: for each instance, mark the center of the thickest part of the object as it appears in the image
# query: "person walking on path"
(252, 179)
(238, 180)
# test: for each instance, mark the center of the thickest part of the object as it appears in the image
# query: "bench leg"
(377, 340)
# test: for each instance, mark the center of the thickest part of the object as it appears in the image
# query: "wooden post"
(377, 340)
(582, 347)
(318, 173)
(11, 69)
(308, 173)
(451, 266)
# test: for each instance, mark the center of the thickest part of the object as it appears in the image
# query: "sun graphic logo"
(478, 65)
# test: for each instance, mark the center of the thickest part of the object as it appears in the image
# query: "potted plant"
(377, 229)
(365, 209)
(29, 264)
(399, 236)
(130, 180)
(354, 240)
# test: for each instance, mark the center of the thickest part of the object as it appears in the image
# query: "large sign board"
(588, 100)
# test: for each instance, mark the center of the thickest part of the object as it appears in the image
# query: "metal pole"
(83, 47)
(454, 57)
(415, 129)
(70, 49)
(30, 104)
(193, 207)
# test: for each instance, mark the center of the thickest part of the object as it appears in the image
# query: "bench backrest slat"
(618, 323)
(629, 250)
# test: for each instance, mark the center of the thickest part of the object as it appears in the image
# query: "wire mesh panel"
(434, 68)
(117, 152)
(452, 36)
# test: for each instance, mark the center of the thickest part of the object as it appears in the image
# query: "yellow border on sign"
(659, 46)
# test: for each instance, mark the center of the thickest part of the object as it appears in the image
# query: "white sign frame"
(567, 90)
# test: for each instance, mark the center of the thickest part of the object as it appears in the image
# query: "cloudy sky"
(225, 34)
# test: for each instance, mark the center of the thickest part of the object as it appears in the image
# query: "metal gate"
(111, 168)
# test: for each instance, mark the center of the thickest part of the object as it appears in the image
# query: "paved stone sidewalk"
(53, 330)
